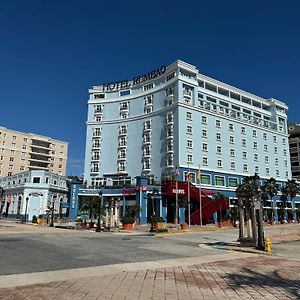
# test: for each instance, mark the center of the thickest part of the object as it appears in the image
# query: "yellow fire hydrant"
(268, 245)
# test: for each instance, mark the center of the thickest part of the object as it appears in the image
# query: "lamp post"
(26, 206)
(260, 228)
(98, 228)
(52, 212)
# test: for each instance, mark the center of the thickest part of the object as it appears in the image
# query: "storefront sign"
(178, 191)
(126, 84)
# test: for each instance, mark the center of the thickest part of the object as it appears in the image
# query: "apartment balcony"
(146, 155)
(39, 147)
(170, 121)
(147, 128)
(121, 158)
(95, 158)
(96, 146)
(39, 152)
(39, 160)
(94, 171)
(147, 141)
(170, 150)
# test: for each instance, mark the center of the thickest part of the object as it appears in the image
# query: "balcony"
(187, 94)
(121, 158)
(124, 108)
(40, 151)
(122, 145)
(96, 146)
(122, 132)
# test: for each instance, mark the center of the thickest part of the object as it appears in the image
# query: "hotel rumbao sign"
(125, 84)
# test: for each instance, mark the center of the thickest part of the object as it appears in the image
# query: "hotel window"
(122, 141)
(148, 109)
(283, 141)
(13, 152)
(24, 147)
(264, 136)
(95, 167)
(95, 155)
(204, 120)
(122, 153)
(124, 115)
(220, 180)
(232, 165)
(219, 150)
(148, 86)
(245, 167)
(205, 179)
(121, 166)
(204, 133)
(243, 130)
(277, 173)
(189, 115)
(99, 96)
(231, 128)
(233, 182)
(124, 93)
(267, 171)
(189, 158)
(124, 105)
(14, 137)
(276, 161)
(96, 132)
(147, 164)
(98, 118)
(254, 133)
(218, 136)
(170, 76)
(189, 144)
(219, 163)
(285, 163)
(244, 154)
(255, 157)
(123, 129)
(11, 159)
(232, 152)
(148, 99)
(254, 145)
(204, 147)
(169, 160)
(231, 139)
(266, 147)
(189, 129)
(256, 169)
(275, 150)
(284, 151)
(286, 174)
(274, 139)
(204, 161)
(244, 143)
(98, 108)
(218, 123)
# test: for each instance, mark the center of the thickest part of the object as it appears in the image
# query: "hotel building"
(176, 116)
(20, 152)
(294, 142)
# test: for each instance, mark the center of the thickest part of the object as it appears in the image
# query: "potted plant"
(128, 221)
(158, 222)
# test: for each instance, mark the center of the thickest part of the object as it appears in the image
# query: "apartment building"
(20, 152)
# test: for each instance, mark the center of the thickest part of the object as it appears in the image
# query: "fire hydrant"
(268, 245)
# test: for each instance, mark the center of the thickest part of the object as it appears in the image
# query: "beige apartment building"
(21, 152)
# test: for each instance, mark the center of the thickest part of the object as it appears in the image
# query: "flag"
(187, 176)
(198, 174)
(177, 171)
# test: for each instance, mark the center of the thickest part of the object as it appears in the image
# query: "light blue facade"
(193, 120)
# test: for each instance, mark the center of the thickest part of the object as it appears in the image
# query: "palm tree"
(90, 204)
(247, 189)
(270, 188)
(291, 189)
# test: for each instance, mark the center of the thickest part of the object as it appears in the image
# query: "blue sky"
(51, 52)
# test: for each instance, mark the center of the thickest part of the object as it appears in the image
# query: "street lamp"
(27, 199)
(98, 228)
(52, 212)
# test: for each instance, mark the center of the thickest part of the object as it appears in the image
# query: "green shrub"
(34, 219)
(157, 219)
(128, 219)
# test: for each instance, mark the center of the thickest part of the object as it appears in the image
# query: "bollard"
(268, 245)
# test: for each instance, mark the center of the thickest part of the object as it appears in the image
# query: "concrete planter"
(127, 226)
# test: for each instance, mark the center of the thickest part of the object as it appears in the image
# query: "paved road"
(45, 251)
(49, 263)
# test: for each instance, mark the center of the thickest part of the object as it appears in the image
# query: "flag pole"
(176, 201)
(200, 197)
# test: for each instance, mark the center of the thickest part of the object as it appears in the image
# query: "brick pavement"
(247, 277)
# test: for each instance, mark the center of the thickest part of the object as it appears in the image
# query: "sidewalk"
(230, 276)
